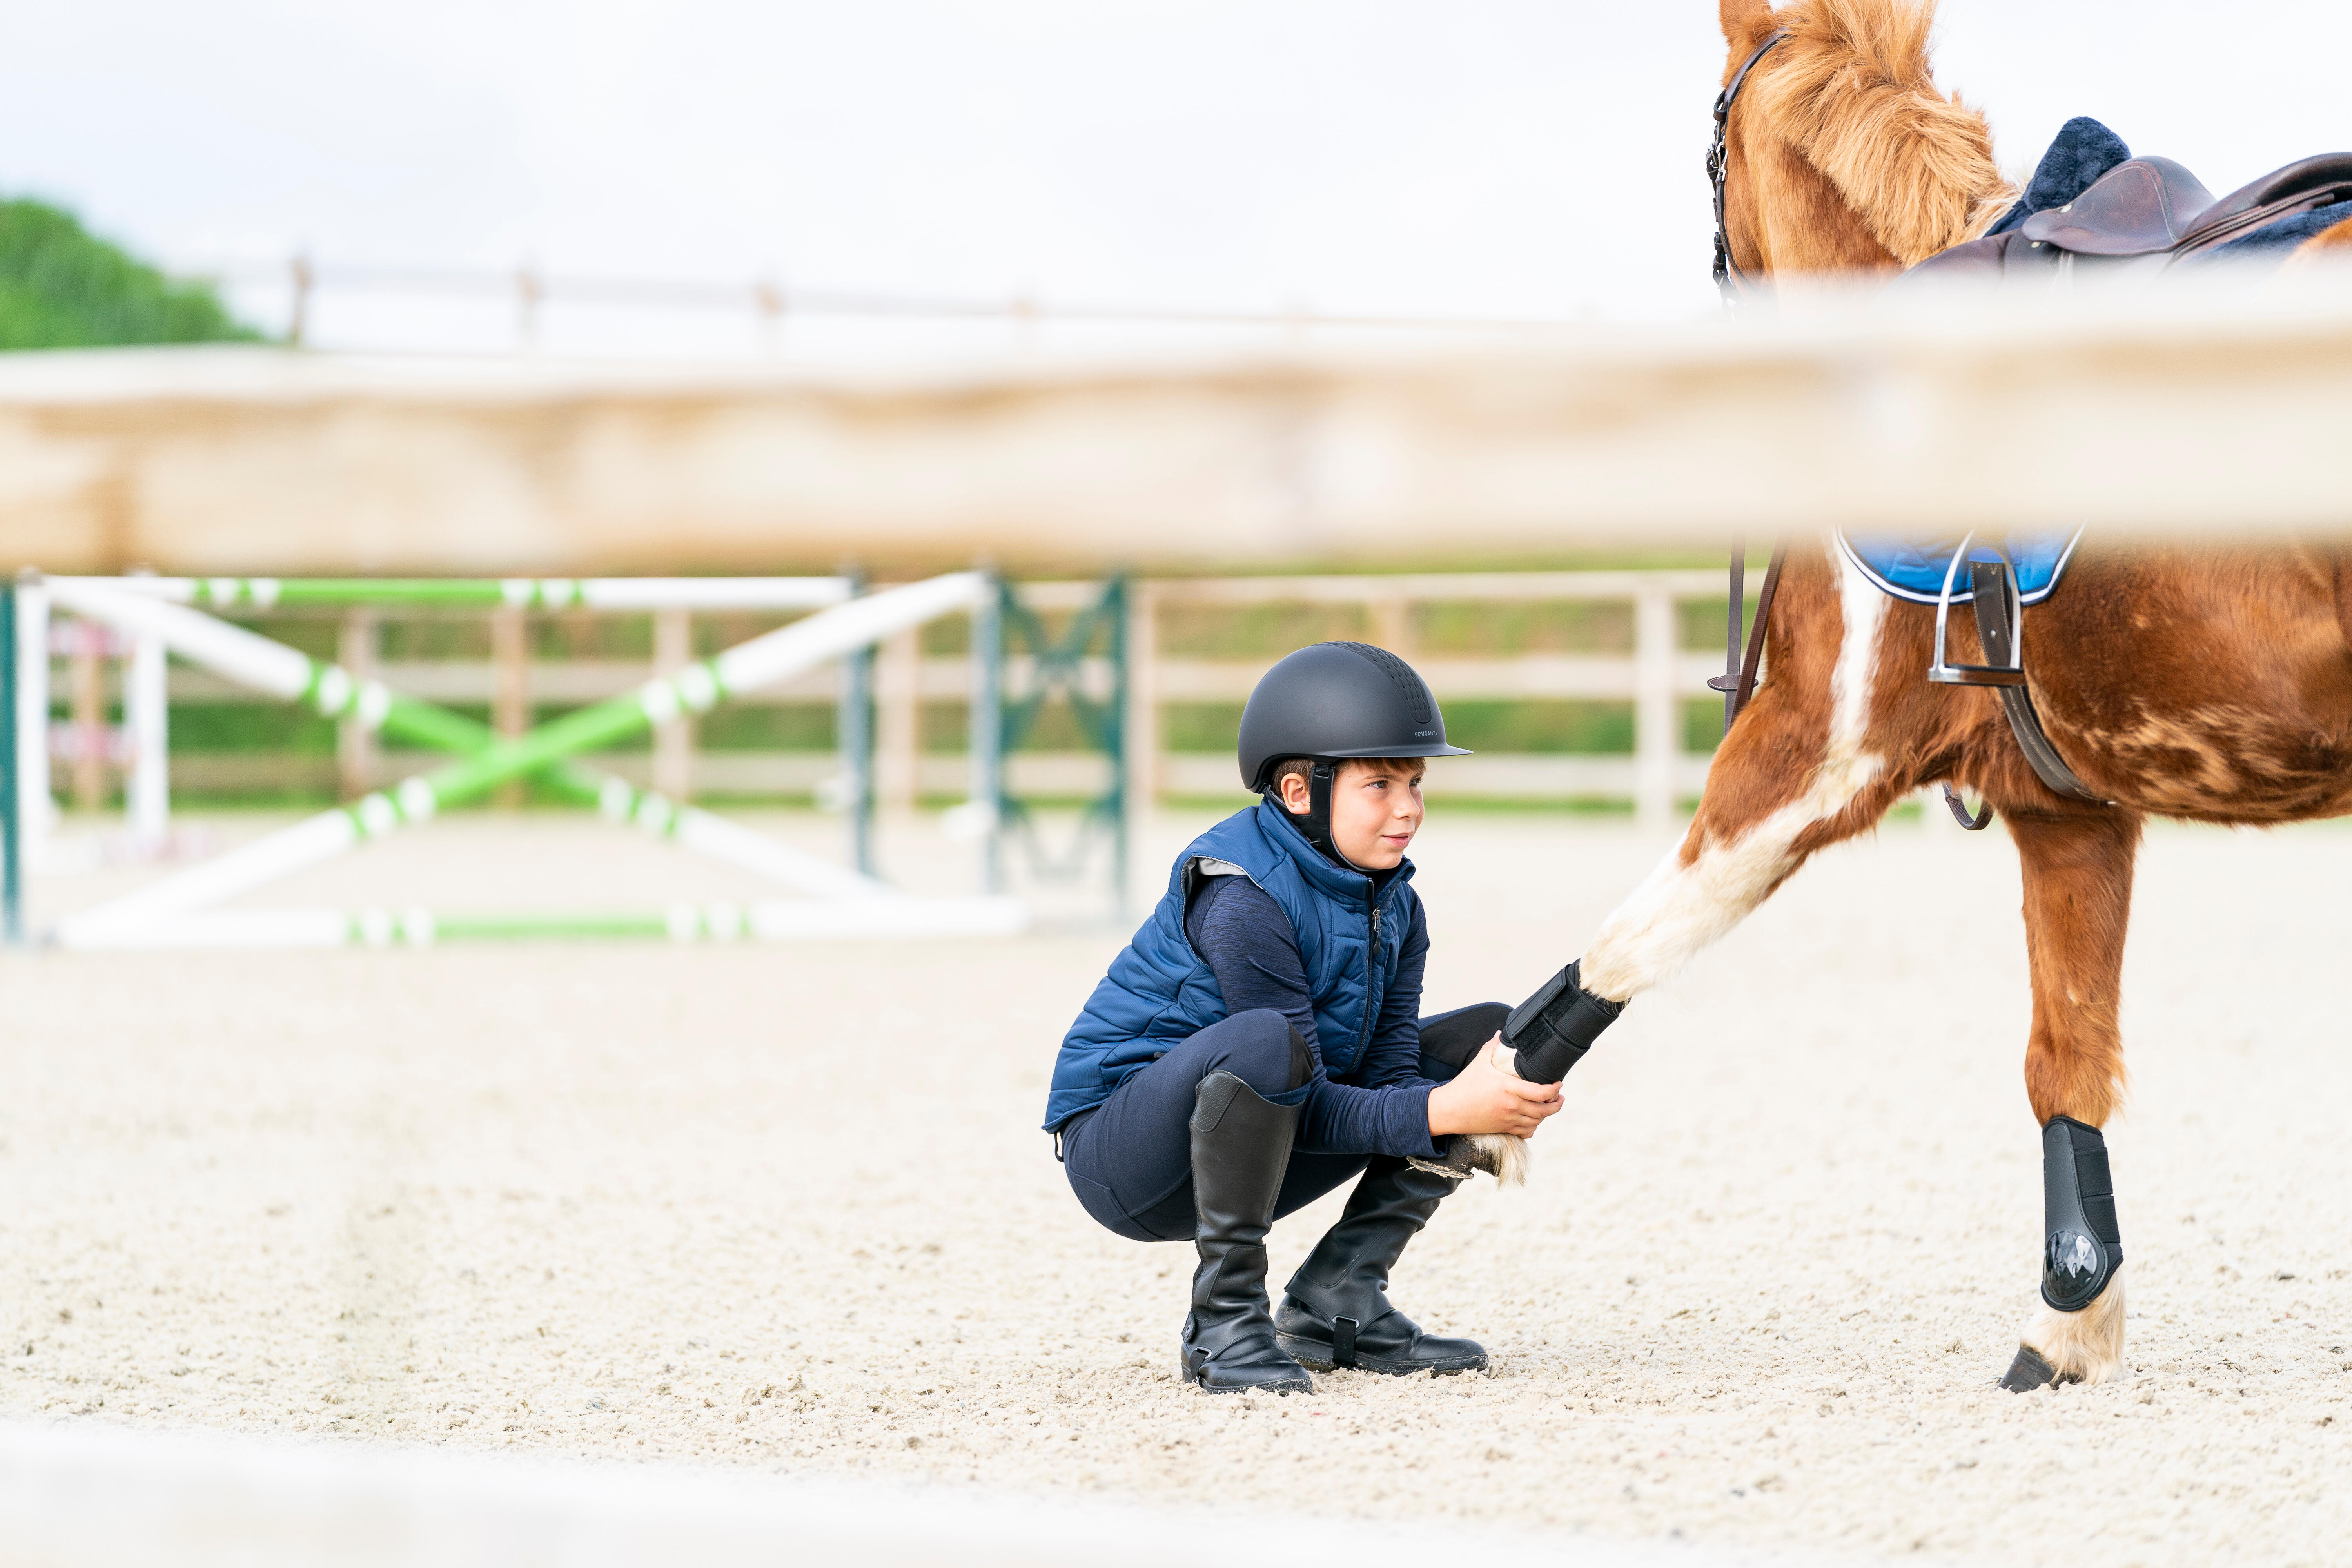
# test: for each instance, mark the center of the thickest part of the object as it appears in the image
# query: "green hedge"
(61, 287)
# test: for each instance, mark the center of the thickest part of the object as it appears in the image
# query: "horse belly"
(2216, 687)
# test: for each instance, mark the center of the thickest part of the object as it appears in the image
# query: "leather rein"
(1741, 666)
(1738, 681)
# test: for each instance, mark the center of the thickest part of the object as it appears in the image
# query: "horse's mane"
(1851, 88)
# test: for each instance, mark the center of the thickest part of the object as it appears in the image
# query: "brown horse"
(2211, 685)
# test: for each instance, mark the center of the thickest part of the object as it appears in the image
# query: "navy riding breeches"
(1130, 1159)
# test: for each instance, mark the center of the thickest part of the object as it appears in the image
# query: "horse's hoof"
(2029, 1371)
(1504, 1158)
(1459, 1158)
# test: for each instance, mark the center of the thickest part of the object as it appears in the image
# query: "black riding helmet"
(1330, 702)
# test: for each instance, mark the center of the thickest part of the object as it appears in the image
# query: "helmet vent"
(1411, 687)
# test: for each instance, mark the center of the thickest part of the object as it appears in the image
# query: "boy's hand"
(1483, 1098)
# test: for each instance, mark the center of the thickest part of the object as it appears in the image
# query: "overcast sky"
(1483, 157)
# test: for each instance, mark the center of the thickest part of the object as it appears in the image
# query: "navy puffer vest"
(1160, 992)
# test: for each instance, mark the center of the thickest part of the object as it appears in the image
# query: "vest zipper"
(1372, 987)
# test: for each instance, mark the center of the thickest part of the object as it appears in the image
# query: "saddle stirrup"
(2000, 627)
(2011, 617)
(1959, 810)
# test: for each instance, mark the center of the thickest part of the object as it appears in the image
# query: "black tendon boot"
(1241, 1146)
(1336, 1312)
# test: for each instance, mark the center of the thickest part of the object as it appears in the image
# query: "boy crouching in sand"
(1259, 1041)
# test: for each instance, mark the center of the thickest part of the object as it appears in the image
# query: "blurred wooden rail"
(2185, 413)
(1654, 677)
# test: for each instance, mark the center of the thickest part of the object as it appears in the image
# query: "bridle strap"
(1728, 275)
(1738, 681)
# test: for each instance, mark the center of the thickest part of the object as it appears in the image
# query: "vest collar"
(1331, 880)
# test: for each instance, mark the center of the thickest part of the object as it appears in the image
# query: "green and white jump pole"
(168, 913)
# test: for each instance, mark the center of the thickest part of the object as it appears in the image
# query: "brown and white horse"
(2212, 685)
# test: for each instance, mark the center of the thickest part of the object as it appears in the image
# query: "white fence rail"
(1655, 677)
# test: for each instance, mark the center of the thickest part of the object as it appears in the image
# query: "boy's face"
(1375, 809)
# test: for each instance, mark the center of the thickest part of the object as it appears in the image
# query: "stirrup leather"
(2001, 628)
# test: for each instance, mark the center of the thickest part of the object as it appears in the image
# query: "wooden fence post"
(92, 735)
(674, 741)
(1142, 738)
(511, 685)
(1657, 730)
(984, 744)
(897, 721)
(358, 759)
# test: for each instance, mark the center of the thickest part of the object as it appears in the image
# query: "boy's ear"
(1745, 24)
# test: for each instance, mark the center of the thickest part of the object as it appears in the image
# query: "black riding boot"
(1241, 1146)
(1336, 1311)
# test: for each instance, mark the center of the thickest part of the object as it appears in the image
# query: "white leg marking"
(2085, 1346)
(1502, 1155)
(1507, 1156)
(1681, 909)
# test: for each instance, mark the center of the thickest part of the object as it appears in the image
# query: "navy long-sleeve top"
(1382, 1106)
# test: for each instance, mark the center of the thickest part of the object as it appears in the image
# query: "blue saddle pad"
(1914, 569)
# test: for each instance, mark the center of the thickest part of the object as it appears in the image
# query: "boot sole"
(1308, 1354)
(1285, 1386)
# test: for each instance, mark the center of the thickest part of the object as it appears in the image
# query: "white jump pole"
(732, 844)
(713, 835)
(276, 670)
(763, 661)
(134, 607)
(712, 592)
(780, 655)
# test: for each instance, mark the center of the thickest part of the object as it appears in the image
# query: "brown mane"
(1851, 90)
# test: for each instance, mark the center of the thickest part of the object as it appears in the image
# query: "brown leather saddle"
(2147, 207)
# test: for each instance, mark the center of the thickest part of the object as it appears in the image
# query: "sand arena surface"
(786, 1206)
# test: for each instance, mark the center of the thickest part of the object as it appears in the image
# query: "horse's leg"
(2078, 877)
(1805, 766)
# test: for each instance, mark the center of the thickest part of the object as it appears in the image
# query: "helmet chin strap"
(1316, 823)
